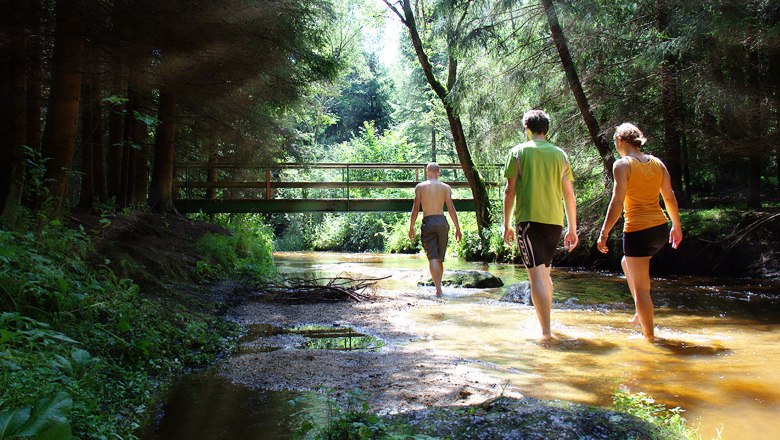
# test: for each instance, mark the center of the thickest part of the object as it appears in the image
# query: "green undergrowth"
(669, 421)
(246, 252)
(352, 418)
(83, 352)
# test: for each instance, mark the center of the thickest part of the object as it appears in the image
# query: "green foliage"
(398, 242)
(351, 232)
(353, 420)
(670, 421)
(248, 251)
(73, 332)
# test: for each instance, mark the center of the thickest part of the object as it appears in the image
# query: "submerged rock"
(467, 278)
(518, 293)
(526, 418)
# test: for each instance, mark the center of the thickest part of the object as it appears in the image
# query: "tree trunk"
(87, 196)
(6, 146)
(116, 142)
(161, 190)
(433, 143)
(671, 103)
(18, 99)
(598, 138)
(35, 76)
(476, 182)
(98, 143)
(59, 136)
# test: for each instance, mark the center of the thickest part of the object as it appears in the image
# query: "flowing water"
(717, 354)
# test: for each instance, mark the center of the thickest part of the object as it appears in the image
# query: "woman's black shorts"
(645, 242)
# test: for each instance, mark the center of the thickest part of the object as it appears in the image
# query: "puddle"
(264, 338)
(206, 406)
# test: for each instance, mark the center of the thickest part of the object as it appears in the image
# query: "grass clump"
(669, 421)
(247, 251)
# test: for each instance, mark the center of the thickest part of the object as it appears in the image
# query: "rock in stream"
(467, 278)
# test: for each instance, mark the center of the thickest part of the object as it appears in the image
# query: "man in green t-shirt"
(538, 177)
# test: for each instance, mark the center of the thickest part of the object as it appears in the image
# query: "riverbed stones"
(467, 278)
(525, 418)
(518, 293)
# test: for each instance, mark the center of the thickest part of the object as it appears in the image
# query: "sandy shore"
(398, 377)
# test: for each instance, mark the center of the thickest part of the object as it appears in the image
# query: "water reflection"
(206, 407)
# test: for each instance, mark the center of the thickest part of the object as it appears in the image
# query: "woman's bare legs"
(635, 319)
(639, 268)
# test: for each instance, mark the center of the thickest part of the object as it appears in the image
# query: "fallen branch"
(302, 290)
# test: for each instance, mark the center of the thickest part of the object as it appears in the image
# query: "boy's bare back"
(433, 195)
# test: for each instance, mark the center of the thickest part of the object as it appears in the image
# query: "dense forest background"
(102, 97)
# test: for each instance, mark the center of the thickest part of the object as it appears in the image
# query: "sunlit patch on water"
(263, 338)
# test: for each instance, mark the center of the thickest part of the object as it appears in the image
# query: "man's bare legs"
(437, 271)
(639, 268)
(635, 319)
(541, 294)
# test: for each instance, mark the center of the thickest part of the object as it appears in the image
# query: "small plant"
(670, 421)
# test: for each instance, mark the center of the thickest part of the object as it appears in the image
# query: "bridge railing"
(234, 187)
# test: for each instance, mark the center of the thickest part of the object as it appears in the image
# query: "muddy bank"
(394, 378)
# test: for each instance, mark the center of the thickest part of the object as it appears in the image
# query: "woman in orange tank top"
(639, 179)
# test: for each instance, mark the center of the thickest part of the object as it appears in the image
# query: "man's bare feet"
(635, 320)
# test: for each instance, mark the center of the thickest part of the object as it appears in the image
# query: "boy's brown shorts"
(435, 233)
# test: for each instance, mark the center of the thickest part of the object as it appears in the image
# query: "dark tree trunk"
(161, 190)
(35, 76)
(6, 146)
(116, 142)
(59, 136)
(433, 143)
(18, 99)
(671, 103)
(211, 176)
(87, 195)
(476, 182)
(98, 143)
(598, 138)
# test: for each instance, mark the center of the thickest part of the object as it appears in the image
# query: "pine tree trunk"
(18, 99)
(59, 136)
(6, 146)
(476, 182)
(87, 195)
(671, 103)
(161, 190)
(35, 76)
(116, 141)
(598, 138)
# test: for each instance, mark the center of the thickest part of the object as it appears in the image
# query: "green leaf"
(82, 357)
(61, 431)
(11, 420)
(48, 416)
(115, 100)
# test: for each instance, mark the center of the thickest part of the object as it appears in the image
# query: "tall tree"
(442, 91)
(596, 135)
(671, 103)
(17, 135)
(59, 136)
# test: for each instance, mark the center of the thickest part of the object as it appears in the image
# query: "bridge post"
(268, 183)
(211, 177)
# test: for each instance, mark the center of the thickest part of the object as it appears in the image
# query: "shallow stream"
(717, 354)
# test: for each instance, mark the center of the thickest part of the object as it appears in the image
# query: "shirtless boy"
(432, 195)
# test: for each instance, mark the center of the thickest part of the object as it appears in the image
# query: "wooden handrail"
(312, 185)
(321, 165)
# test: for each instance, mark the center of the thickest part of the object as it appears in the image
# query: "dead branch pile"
(302, 290)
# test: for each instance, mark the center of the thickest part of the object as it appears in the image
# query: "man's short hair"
(433, 166)
(538, 121)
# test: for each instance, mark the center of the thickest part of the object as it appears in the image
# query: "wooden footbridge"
(213, 187)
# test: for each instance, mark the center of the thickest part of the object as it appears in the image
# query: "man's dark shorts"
(537, 242)
(434, 234)
(645, 242)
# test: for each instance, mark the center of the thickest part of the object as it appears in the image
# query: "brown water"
(717, 355)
